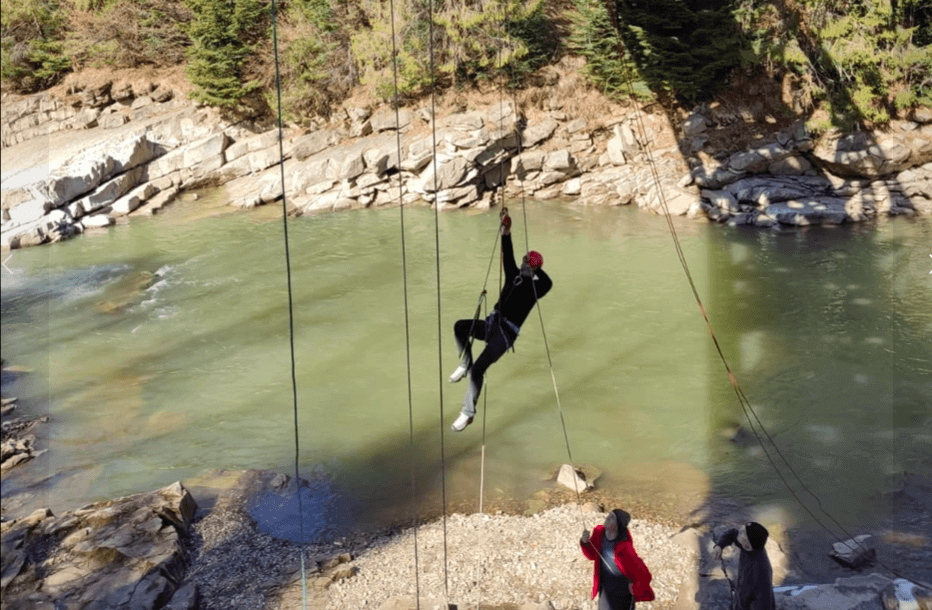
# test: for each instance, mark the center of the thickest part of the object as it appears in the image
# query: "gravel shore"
(503, 558)
(491, 559)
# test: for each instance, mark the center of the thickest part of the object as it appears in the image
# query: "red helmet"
(534, 259)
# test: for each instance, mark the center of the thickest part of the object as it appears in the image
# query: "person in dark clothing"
(754, 589)
(521, 290)
(620, 577)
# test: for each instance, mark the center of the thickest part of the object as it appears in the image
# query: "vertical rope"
(433, 131)
(404, 275)
(294, 381)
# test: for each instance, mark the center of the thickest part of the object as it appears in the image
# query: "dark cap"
(757, 535)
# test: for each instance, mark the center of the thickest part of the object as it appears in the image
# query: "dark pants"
(621, 600)
(498, 338)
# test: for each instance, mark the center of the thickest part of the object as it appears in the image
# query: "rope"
(433, 131)
(553, 377)
(294, 381)
(514, 98)
(742, 398)
(404, 275)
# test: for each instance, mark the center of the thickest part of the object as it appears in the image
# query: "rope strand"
(404, 275)
(294, 381)
(433, 131)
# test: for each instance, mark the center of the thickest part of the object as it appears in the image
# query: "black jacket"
(519, 294)
(754, 590)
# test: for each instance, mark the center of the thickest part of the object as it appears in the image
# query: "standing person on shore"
(754, 589)
(523, 286)
(620, 577)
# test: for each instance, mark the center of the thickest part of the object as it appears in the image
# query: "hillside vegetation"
(859, 62)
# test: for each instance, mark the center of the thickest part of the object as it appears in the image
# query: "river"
(160, 348)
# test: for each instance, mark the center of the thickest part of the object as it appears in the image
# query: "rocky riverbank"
(159, 550)
(143, 145)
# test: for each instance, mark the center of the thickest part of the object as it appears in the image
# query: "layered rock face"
(123, 553)
(363, 159)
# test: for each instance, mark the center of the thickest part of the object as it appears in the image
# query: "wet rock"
(855, 593)
(855, 552)
(902, 594)
(573, 479)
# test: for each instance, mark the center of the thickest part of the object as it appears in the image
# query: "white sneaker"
(458, 374)
(461, 422)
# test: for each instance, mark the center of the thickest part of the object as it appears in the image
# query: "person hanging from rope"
(519, 295)
(620, 577)
(754, 589)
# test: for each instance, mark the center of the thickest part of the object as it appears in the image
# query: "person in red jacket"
(620, 577)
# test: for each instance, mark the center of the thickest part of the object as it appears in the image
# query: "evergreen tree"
(688, 47)
(222, 33)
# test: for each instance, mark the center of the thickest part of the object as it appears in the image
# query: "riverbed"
(160, 348)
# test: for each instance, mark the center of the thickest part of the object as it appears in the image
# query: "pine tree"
(221, 32)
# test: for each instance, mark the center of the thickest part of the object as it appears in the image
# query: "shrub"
(473, 41)
(31, 41)
(129, 33)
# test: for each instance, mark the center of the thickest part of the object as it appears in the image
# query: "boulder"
(97, 221)
(536, 133)
(467, 121)
(855, 552)
(793, 165)
(142, 87)
(813, 211)
(203, 150)
(574, 479)
(353, 165)
(449, 173)
(615, 151)
(110, 191)
(70, 182)
(723, 200)
(121, 91)
(132, 200)
(384, 119)
(86, 118)
(262, 141)
(162, 94)
(572, 187)
(560, 160)
(113, 120)
(376, 161)
(313, 143)
(141, 102)
(694, 125)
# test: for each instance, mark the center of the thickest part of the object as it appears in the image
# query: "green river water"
(153, 379)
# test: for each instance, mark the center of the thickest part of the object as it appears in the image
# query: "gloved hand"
(585, 537)
(716, 552)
